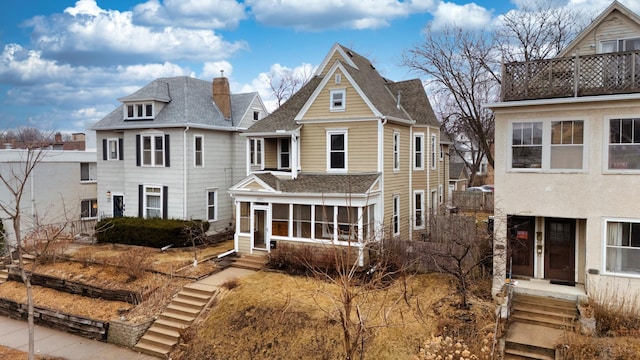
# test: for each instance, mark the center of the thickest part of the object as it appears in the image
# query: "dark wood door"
(521, 230)
(559, 254)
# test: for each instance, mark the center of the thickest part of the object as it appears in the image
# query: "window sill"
(88, 181)
(338, 110)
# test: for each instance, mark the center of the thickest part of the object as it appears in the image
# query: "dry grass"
(276, 316)
(172, 261)
(96, 309)
(12, 354)
(581, 347)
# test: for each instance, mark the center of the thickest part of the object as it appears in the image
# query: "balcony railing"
(600, 74)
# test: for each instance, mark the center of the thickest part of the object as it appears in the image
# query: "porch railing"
(588, 75)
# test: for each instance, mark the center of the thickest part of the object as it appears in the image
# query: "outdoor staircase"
(185, 307)
(251, 262)
(4, 275)
(536, 323)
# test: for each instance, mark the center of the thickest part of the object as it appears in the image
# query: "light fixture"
(108, 193)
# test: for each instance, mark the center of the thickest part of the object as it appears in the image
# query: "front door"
(521, 230)
(260, 228)
(118, 205)
(559, 254)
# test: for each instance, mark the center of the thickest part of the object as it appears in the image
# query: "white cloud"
(332, 14)
(86, 34)
(211, 70)
(466, 16)
(206, 14)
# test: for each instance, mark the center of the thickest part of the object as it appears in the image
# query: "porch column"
(499, 253)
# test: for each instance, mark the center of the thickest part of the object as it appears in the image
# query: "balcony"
(590, 75)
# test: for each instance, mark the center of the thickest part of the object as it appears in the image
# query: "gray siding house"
(172, 150)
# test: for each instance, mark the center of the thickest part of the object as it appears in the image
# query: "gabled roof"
(615, 6)
(377, 91)
(458, 171)
(188, 102)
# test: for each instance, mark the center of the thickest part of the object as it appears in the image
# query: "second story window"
(566, 144)
(396, 151)
(337, 100)
(113, 149)
(197, 151)
(284, 151)
(624, 144)
(255, 152)
(526, 145)
(418, 150)
(153, 150)
(337, 150)
(434, 149)
(88, 171)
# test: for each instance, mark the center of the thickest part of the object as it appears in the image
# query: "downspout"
(412, 199)
(428, 170)
(184, 173)
(381, 125)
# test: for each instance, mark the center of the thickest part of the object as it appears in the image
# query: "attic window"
(338, 78)
(139, 111)
(337, 100)
(256, 115)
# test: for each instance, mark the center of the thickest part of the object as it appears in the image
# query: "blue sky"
(64, 63)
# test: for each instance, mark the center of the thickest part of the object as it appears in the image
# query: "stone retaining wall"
(124, 333)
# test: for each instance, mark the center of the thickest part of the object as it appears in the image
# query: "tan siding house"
(567, 165)
(348, 138)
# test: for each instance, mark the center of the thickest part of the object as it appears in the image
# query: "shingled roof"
(322, 183)
(381, 92)
(189, 101)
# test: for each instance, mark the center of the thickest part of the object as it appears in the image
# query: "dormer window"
(337, 100)
(141, 111)
(609, 46)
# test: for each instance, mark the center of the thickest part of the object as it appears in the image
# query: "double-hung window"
(418, 150)
(396, 151)
(284, 151)
(395, 220)
(337, 150)
(418, 209)
(212, 205)
(153, 150)
(113, 149)
(198, 154)
(624, 144)
(337, 100)
(623, 247)
(434, 149)
(88, 171)
(567, 138)
(152, 202)
(255, 152)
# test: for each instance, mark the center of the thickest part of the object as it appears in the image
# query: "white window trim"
(422, 208)
(344, 100)
(344, 132)
(145, 207)
(395, 215)
(338, 78)
(215, 205)
(441, 156)
(421, 152)
(135, 112)
(280, 153)
(93, 175)
(195, 152)
(90, 202)
(117, 144)
(604, 244)
(546, 146)
(396, 151)
(153, 136)
(440, 194)
(605, 147)
(252, 159)
(434, 148)
(259, 112)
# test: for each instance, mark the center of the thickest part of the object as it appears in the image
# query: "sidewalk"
(15, 334)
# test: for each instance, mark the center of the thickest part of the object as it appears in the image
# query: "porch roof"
(322, 183)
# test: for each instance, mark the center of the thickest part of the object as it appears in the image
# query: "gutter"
(184, 172)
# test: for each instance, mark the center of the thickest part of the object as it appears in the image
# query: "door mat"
(563, 282)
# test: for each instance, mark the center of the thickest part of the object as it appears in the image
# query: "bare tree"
(15, 177)
(456, 64)
(459, 247)
(284, 82)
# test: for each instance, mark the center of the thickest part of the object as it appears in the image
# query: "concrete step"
(177, 318)
(189, 302)
(532, 339)
(169, 324)
(172, 335)
(542, 321)
(198, 291)
(513, 354)
(546, 303)
(250, 262)
(152, 348)
(4, 275)
(182, 310)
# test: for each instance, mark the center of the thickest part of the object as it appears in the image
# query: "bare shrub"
(579, 347)
(47, 242)
(615, 313)
(134, 263)
(231, 284)
(439, 347)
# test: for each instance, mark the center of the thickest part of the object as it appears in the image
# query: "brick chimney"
(58, 137)
(222, 95)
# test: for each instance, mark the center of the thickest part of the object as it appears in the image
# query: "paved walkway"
(15, 334)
